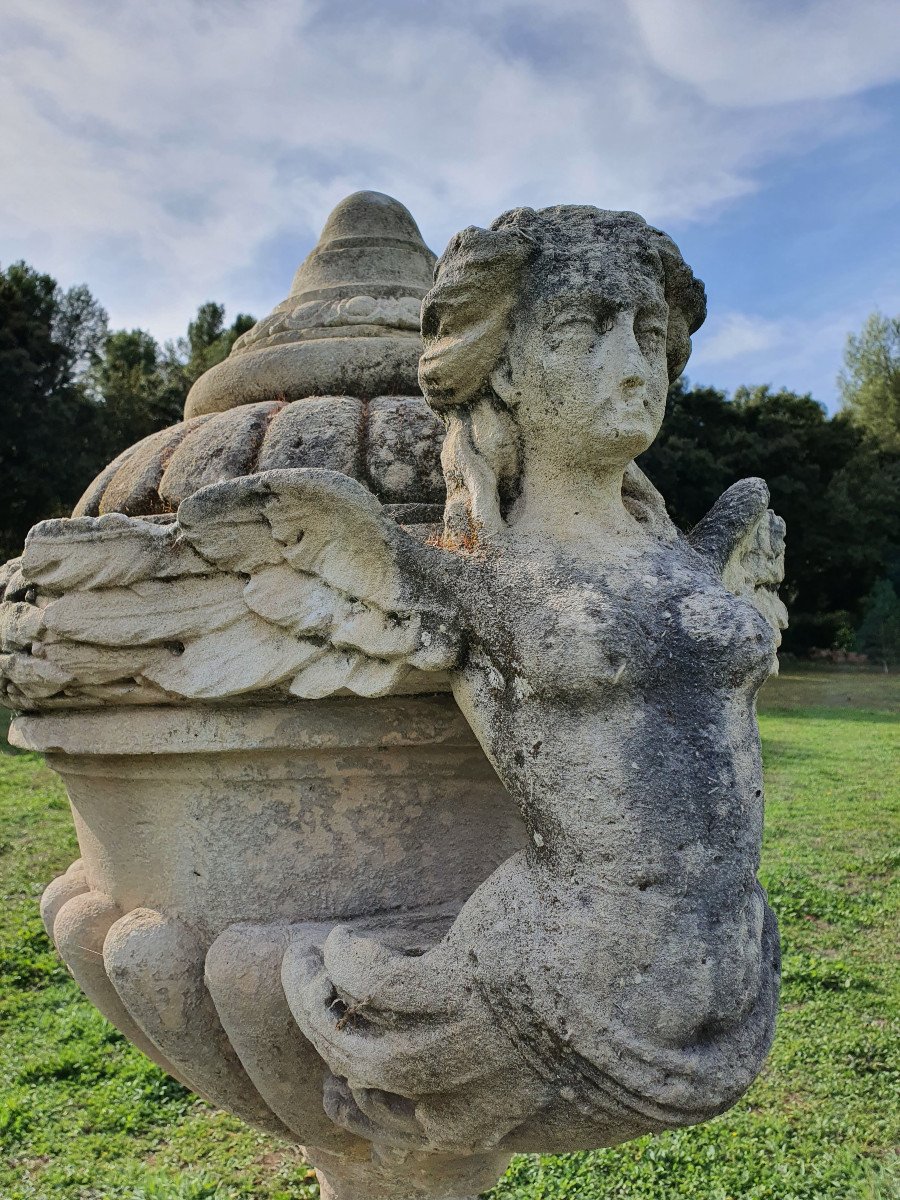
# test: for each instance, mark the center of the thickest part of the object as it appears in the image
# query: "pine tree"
(879, 632)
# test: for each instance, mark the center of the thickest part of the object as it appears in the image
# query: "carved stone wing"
(743, 540)
(292, 580)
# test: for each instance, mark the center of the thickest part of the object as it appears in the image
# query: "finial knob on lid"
(350, 325)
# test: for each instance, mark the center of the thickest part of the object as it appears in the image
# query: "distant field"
(83, 1116)
(798, 687)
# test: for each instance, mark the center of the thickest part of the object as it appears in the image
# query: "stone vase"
(211, 837)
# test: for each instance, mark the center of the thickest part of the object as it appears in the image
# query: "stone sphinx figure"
(307, 890)
(619, 974)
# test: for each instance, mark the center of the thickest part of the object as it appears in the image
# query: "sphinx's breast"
(655, 623)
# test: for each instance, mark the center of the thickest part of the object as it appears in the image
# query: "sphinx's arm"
(742, 539)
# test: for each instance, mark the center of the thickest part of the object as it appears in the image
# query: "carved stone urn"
(416, 841)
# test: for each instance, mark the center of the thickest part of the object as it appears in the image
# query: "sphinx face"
(587, 372)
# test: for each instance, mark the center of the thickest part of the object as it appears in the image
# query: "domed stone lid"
(391, 444)
(350, 325)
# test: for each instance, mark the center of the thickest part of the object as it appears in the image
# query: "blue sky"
(188, 150)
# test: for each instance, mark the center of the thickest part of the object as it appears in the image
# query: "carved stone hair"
(480, 281)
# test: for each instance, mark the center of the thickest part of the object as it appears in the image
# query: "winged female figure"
(619, 975)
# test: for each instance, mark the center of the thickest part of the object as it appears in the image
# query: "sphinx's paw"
(374, 1115)
(381, 1019)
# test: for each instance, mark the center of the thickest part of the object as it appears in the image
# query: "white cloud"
(735, 335)
(801, 354)
(769, 52)
(155, 150)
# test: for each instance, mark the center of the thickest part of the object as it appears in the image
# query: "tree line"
(74, 394)
(835, 483)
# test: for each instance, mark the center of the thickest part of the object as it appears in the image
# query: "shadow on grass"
(5, 719)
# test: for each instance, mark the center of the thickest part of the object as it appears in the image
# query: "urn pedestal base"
(400, 1175)
(350, 1192)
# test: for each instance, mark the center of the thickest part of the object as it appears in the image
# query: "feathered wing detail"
(326, 565)
(743, 540)
(294, 580)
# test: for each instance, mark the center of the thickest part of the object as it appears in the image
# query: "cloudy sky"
(171, 152)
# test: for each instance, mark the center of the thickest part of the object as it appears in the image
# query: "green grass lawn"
(83, 1116)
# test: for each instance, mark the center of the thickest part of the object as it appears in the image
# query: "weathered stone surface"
(216, 451)
(134, 488)
(403, 451)
(350, 325)
(89, 503)
(321, 431)
(352, 365)
(210, 836)
(304, 376)
(249, 590)
(392, 445)
(87, 552)
(422, 932)
(155, 964)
